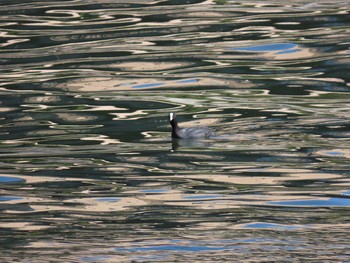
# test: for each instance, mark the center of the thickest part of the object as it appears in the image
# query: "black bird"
(187, 133)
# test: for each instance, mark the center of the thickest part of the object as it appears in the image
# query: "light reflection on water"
(330, 202)
(87, 165)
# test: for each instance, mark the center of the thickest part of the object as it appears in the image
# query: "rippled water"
(89, 173)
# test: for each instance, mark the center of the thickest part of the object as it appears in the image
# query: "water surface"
(89, 173)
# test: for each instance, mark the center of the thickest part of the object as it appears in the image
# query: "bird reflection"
(188, 143)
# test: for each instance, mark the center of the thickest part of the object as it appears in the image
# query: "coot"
(187, 133)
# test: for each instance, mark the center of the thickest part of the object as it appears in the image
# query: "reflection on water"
(89, 173)
(316, 203)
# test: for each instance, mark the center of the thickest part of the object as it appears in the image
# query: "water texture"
(89, 172)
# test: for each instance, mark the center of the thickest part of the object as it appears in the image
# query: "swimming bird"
(187, 133)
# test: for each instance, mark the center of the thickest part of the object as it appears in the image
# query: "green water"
(88, 169)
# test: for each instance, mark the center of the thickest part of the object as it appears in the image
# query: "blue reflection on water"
(287, 47)
(288, 51)
(153, 85)
(108, 199)
(148, 85)
(188, 81)
(154, 191)
(334, 153)
(201, 196)
(335, 201)
(194, 246)
(8, 179)
(9, 198)
(261, 225)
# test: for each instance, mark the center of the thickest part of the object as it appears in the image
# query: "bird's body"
(187, 133)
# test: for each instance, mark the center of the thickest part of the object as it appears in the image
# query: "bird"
(187, 133)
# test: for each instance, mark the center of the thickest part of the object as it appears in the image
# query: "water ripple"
(88, 169)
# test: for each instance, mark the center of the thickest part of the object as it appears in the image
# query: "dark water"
(89, 173)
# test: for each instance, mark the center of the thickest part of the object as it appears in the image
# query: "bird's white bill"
(171, 116)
